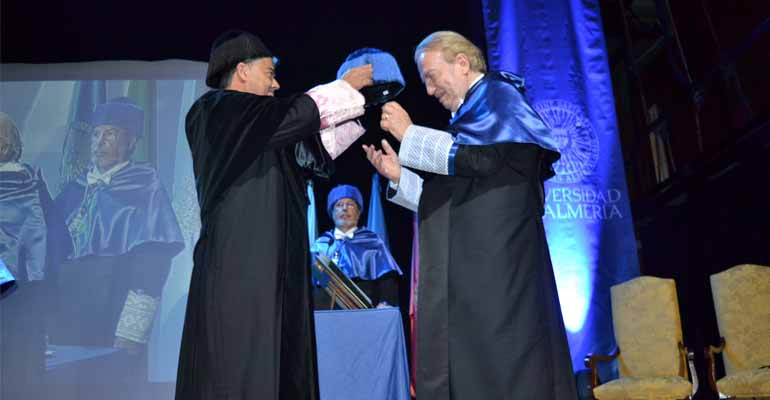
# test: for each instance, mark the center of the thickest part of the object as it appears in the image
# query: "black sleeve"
(486, 160)
(238, 125)
(312, 157)
(301, 120)
(228, 130)
(388, 288)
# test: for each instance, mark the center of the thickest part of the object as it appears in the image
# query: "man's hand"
(360, 77)
(395, 120)
(387, 163)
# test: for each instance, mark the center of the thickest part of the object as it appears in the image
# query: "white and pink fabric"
(338, 104)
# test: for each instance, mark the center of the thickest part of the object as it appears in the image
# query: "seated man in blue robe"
(124, 233)
(358, 252)
(28, 259)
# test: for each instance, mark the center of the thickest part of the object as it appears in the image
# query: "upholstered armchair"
(652, 361)
(742, 303)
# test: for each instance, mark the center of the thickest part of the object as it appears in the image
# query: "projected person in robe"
(29, 251)
(489, 324)
(248, 331)
(358, 252)
(124, 235)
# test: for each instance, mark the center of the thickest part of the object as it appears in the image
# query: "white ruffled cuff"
(337, 102)
(408, 190)
(337, 139)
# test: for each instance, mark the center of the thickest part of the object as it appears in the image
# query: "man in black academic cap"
(248, 331)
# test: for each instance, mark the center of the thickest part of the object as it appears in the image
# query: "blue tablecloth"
(361, 355)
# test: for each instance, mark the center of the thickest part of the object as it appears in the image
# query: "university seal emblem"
(575, 137)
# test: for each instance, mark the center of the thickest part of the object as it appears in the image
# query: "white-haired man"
(489, 323)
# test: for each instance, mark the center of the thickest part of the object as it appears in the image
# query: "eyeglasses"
(343, 205)
(106, 132)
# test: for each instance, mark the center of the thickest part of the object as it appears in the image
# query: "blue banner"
(312, 221)
(76, 151)
(558, 47)
(5, 274)
(375, 220)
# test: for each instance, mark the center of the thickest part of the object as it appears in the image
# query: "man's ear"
(463, 62)
(132, 145)
(242, 71)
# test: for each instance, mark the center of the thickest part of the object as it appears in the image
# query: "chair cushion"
(752, 383)
(741, 295)
(658, 388)
(645, 316)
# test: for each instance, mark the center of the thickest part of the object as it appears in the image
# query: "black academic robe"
(489, 322)
(248, 331)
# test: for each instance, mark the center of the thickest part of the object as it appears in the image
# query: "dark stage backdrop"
(311, 39)
(559, 48)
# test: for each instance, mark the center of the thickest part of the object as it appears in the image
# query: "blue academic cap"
(341, 192)
(120, 112)
(388, 80)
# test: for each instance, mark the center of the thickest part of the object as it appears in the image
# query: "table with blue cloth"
(361, 355)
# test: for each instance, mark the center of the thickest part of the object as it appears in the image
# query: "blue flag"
(312, 222)
(76, 151)
(5, 274)
(375, 220)
(558, 47)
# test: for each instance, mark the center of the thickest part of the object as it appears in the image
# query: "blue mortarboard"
(341, 192)
(388, 81)
(120, 112)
